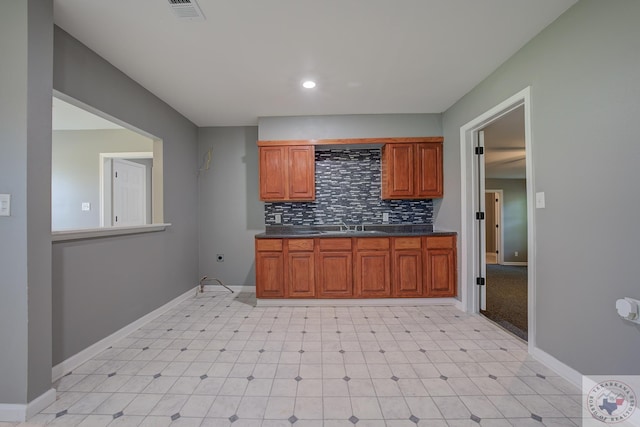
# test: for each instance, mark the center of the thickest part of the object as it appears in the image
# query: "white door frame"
(469, 265)
(105, 168)
(500, 220)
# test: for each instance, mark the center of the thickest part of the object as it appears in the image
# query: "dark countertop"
(301, 232)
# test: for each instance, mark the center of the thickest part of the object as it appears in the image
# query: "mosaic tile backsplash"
(348, 189)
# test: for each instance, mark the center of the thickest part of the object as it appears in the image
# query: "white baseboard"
(21, 413)
(565, 371)
(357, 302)
(212, 287)
(90, 352)
(523, 264)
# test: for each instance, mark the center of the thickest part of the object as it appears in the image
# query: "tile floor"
(217, 360)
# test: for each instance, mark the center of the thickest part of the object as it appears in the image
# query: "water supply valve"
(628, 309)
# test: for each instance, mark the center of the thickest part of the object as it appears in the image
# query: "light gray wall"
(349, 126)
(230, 210)
(75, 176)
(514, 216)
(585, 98)
(25, 165)
(101, 285)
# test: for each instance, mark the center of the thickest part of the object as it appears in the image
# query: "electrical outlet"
(86, 206)
(277, 218)
(5, 204)
(385, 217)
(220, 257)
(516, 253)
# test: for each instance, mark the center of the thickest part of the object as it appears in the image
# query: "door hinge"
(116, 174)
(480, 281)
(479, 150)
(479, 215)
(116, 218)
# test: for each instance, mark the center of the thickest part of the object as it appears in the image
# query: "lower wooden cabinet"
(269, 268)
(356, 267)
(408, 276)
(334, 268)
(441, 266)
(373, 268)
(300, 281)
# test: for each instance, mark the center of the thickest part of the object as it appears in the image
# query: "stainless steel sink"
(306, 232)
(355, 232)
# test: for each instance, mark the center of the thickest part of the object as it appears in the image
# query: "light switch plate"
(540, 200)
(86, 206)
(5, 204)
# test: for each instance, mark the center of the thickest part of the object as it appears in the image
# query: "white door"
(129, 193)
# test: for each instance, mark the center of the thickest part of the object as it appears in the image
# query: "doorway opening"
(126, 182)
(505, 264)
(480, 162)
(493, 226)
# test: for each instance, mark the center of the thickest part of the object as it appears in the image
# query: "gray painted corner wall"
(585, 101)
(13, 263)
(231, 213)
(39, 195)
(75, 174)
(514, 215)
(25, 163)
(349, 126)
(101, 285)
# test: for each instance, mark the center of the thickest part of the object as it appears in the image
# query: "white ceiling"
(504, 143)
(248, 58)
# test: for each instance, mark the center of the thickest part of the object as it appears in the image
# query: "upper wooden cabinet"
(412, 171)
(287, 173)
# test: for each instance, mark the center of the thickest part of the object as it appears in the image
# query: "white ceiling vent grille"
(187, 9)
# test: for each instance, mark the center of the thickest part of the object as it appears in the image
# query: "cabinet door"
(398, 171)
(273, 176)
(300, 275)
(335, 274)
(301, 173)
(373, 276)
(269, 274)
(407, 273)
(429, 170)
(441, 272)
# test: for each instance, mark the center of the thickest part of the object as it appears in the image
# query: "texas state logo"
(611, 401)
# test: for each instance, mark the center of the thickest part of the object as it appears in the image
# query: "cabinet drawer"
(407, 243)
(330, 244)
(372, 244)
(300, 245)
(268, 244)
(441, 242)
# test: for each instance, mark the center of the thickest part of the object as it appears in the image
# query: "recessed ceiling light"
(309, 84)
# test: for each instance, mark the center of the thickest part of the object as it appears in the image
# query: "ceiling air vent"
(187, 9)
